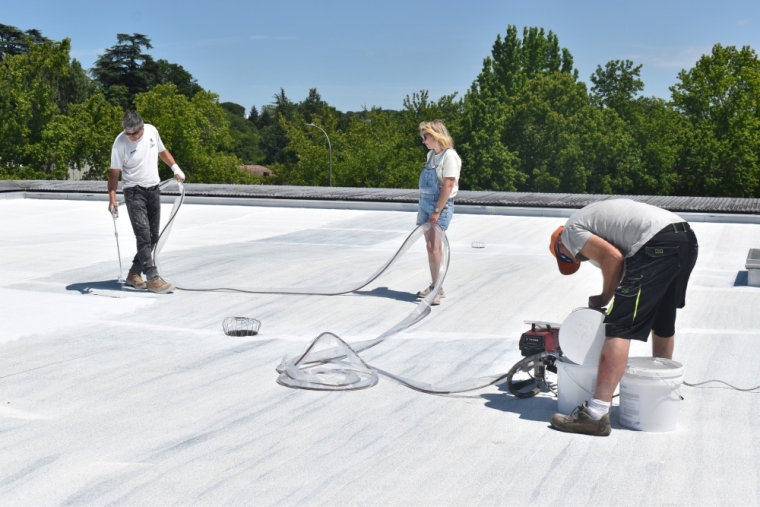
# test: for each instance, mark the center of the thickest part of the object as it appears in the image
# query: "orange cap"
(566, 268)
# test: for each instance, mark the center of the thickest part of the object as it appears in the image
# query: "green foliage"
(245, 136)
(525, 124)
(372, 152)
(94, 125)
(74, 87)
(487, 164)
(616, 85)
(720, 98)
(15, 42)
(419, 108)
(235, 109)
(487, 160)
(124, 70)
(274, 139)
(163, 72)
(377, 154)
(27, 105)
(196, 132)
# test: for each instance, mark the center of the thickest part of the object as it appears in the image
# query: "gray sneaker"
(135, 280)
(159, 286)
(424, 292)
(580, 421)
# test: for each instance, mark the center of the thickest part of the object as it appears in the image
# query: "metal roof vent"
(753, 267)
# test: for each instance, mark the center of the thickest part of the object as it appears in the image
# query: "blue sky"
(359, 53)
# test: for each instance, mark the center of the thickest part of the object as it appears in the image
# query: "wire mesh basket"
(240, 326)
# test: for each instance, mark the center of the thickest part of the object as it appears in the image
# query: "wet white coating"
(144, 401)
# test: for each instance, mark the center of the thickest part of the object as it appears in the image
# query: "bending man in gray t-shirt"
(646, 255)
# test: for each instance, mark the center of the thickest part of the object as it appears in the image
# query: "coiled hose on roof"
(329, 363)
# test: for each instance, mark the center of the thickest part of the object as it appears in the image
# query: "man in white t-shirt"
(135, 155)
(646, 255)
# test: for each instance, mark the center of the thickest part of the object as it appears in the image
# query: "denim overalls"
(429, 193)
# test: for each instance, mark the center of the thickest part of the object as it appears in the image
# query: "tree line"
(527, 123)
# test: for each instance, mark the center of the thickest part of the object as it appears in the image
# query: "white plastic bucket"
(650, 394)
(575, 384)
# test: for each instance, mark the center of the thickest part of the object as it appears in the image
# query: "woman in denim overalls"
(438, 186)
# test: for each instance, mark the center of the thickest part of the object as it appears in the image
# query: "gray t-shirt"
(624, 223)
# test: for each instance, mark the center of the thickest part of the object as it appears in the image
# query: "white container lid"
(653, 367)
(581, 336)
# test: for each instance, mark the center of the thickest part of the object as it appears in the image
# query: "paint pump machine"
(540, 349)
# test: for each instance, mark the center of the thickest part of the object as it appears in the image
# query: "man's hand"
(113, 208)
(178, 174)
(597, 302)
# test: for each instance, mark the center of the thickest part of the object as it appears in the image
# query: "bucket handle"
(672, 387)
(578, 383)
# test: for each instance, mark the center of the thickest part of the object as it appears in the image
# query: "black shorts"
(653, 285)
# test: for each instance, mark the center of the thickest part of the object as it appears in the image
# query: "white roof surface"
(112, 397)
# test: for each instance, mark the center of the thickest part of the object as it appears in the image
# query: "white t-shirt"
(138, 160)
(624, 223)
(447, 165)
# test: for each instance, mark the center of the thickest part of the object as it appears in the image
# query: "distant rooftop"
(385, 195)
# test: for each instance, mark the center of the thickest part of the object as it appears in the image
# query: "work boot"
(159, 286)
(580, 421)
(135, 280)
(424, 292)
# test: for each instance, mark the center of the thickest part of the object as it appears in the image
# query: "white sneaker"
(424, 292)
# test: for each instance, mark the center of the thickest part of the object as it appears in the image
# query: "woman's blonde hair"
(440, 133)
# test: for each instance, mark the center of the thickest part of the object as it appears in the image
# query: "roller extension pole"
(115, 215)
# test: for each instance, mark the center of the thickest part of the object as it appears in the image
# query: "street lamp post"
(329, 146)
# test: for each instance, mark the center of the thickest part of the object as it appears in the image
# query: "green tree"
(312, 105)
(656, 127)
(163, 72)
(196, 131)
(616, 85)
(377, 152)
(245, 136)
(124, 70)
(720, 98)
(373, 151)
(273, 136)
(15, 42)
(419, 108)
(308, 151)
(488, 163)
(27, 105)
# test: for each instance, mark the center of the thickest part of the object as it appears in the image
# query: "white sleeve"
(451, 165)
(159, 142)
(575, 238)
(117, 159)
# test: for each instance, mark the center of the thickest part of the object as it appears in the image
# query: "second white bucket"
(575, 384)
(650, 394)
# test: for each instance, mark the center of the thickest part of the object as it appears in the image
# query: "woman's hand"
(434, 217)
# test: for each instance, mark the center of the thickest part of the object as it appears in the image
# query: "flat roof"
(111, 396)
